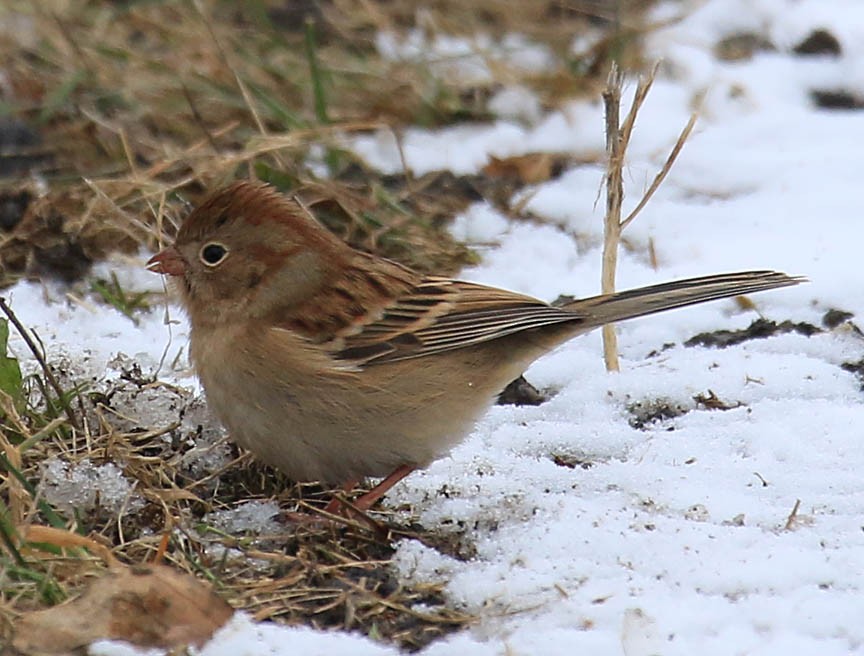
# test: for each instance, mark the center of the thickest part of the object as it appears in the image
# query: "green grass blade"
(316, 73)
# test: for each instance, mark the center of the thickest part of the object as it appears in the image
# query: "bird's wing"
(440, 314)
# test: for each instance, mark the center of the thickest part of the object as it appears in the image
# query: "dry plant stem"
(199, 120)
(642, 88)
(614, 198)
(617, 140)
(73, 420)
(69, 540)
(271, 142)
(353, 511)
(17, 494)
(199, 7)
(241, 85)
(790, 520)
(320, 518)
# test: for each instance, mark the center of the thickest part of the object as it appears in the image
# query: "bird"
(335, 365)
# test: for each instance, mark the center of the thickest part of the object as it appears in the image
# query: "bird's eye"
(213, 254)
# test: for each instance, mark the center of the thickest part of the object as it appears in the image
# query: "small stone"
(742, 47)
(819, 42)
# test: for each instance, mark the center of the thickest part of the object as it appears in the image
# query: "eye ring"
(213, 254)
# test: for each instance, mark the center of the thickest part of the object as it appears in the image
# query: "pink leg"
(335, 506)
(368, 500)
(365, 502)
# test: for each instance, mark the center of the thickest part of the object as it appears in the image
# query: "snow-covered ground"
(675, 539)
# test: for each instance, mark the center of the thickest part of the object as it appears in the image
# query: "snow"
(467, 60)
(243, 637)
(84, 486)
(480, 224)
(256, 516)
(676, 539)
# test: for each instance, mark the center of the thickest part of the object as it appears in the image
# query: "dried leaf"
(744, 303)
(528, 169)
(148, 606)
(711, 401)
(66, 540)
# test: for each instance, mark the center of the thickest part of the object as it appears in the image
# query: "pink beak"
(167, 262)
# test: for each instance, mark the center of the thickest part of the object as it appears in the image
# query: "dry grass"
(126, 109)
(328, 575)
(114, 116)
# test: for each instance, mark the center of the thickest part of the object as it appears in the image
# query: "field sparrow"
(333, 365)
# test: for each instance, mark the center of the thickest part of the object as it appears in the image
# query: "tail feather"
(608, 308)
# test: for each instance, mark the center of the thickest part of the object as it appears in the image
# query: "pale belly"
(293, 410)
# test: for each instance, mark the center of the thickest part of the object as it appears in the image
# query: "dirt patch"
(521, 392)
(647, 413)
(759, 329)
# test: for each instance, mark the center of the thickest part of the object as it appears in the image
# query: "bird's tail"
(608, 308)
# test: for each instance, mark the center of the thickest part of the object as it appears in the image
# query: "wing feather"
(378, 311)
(440, 315)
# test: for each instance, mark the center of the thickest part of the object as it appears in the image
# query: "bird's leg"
(335, 504)
(368, 500)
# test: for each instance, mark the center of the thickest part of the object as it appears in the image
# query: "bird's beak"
(167, 262)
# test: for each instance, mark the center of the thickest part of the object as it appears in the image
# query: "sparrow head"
(245, 250)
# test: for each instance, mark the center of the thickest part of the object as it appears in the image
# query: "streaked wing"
(379, 311)
(440, 314)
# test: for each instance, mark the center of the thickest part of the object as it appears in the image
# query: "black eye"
(213, 254)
